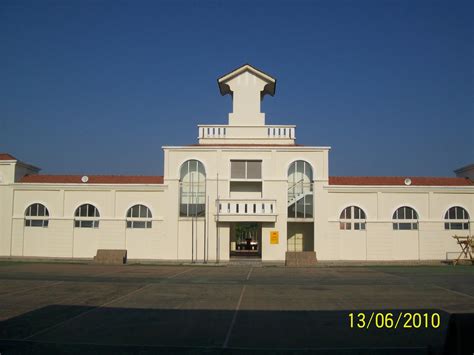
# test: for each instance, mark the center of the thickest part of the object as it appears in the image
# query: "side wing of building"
(393, 221)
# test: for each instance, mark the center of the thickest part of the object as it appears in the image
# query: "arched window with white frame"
(405, 218)
(352, 217)
(36, 215)
(192, 195)
(300, 190)
(86, 216)
(456, 218)
(139, 216)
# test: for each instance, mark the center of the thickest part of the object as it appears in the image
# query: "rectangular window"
(246, 169)
(254, 170)
(36, 222)
(404, 226)
(86, 224)
(138, 224)
(237, 169)
(456, 225)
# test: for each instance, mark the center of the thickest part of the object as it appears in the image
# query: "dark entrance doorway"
(246, 240)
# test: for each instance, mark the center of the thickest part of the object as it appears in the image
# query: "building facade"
(245, 190)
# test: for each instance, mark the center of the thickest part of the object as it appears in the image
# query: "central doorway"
(300, 236)
(246, 240)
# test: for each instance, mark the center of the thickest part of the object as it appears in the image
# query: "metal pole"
(196, 222)
(207, 228)
(217, 221)
(190, 215)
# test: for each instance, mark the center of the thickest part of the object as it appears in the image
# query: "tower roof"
(269, 87)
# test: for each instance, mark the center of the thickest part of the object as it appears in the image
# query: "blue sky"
(98, 87)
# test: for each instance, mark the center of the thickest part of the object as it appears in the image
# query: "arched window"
(300, 190)
(405, 218)
(139, 216)
(456, 218)
(86, 216)
(36, 215)
(352, 217)
(192, 189)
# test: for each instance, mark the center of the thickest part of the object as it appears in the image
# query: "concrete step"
(111, 256)
(300, 258)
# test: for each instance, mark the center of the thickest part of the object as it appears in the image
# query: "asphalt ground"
(87, 308)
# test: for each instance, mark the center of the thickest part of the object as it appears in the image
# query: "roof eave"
(269, 88)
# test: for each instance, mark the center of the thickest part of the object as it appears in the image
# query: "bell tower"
(247, 86)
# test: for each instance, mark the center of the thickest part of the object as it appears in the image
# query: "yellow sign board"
(274, 236)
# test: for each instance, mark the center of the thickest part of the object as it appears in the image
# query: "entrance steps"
(300, 258)
(111, 256)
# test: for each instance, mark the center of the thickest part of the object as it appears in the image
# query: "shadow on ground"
(78, 330)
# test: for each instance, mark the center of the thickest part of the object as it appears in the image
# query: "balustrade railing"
(246, 207)
(234, 132)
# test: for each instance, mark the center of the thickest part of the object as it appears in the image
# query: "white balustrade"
(281, 132)
(212, 131)
(246, 207)
(241, 132)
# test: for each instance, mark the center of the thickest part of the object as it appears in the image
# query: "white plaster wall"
(53, 241)
(17, 237)
(380, 241)
(351, 245)
(148, 243)
(7, 172)
(62, 239)
(6, 201)
(86, 241)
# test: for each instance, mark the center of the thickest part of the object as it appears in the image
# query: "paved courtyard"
(77, 308)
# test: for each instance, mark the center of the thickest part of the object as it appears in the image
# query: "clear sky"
(97, 87)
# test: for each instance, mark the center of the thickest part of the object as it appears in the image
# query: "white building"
(246, 189)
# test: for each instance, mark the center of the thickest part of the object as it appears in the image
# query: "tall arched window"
(192, 189)
(405, 218)
(86, 216)
(352, 217)
(139, 216)
(300, 190)
(36, 215)
(456, 218)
